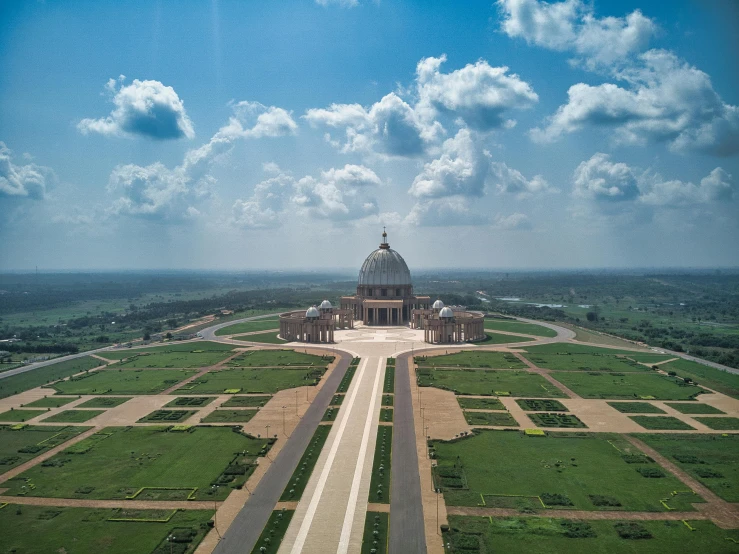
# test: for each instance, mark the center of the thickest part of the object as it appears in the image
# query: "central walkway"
(330, 516)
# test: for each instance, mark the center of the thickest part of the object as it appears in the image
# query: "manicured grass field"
(19, 415)
(500, 383)
(44, 375)
(627, 386)
(556, 536)
(647, 358)
(268, 338)
(498, 338)
(472, 358)
(17, 446)
(190, 402)
(346, 380)
(50, 402)
(380, 482)
(29, 529)
(105, 402)
(271, 538)
(711, 459)
(503, 419)
(124, 381)
(116, 462)
(556, 420)
(567, 348)
(73, 416)
(721, 381)
(167, 416)
(183, 355)
(538, 405)
(249, 326)
(694, 408)
(389, 383)
(480, 403)
(246, 401)
(388, 399)
(720, 423)
(229, 416)
(636, 408)
(252, 380)
(386, 415)
(375, 543)
(571, 357)
(330, 414)
(570, 464)
(307, 463)
(275, 358)
(513, 326)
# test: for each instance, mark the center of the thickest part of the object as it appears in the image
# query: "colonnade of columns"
(453, 330)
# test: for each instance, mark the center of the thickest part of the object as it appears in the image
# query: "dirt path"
(545, 373)
(577, 514)
(134, 504)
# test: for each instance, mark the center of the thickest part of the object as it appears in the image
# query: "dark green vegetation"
(105, 402)
(167, 416)
(480, 403)
(721, 381)
(246, 401)
(472, 358)
(190, 402)
(720, 423)
(712, 459)
(499, 338)
(229, 416)
(20, 445)
(513, 326)
(662, 423)
(73, 416)
(252, 380)
(50, 402)
(330, 414)
(375, 538)
(30, 529)
(35, 378)
(278, 358)
(537, 405)
(389, 383)
(388, 399)
(266, 324)
(471, 535)
(556, 420)
(647, 386)
(693, 408)
(267, 338)
(503, 419)
(274, 531)
(386, 415)
(380, 482)
(559, 468)
(125, 381)
(348, 376)
(20, 415)
(337, 399)
(307, 463)
(184, 355)
(636, 408)
(148, 463)
(486, 381)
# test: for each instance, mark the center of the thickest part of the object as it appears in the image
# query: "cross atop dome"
(384, 245)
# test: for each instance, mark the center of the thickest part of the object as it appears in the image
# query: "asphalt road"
(244, 532)
(407, 535)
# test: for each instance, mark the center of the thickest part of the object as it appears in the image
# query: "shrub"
(555, 499)
(688, 459)
(708, 473)
(577, 529)
(636, 459)
(599, 500)
(651, 472)
(631, 530)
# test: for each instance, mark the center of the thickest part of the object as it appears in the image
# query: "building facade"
(448, 325)
(314, 325)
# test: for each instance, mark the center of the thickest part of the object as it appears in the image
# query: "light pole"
(283, 420)
(423, 417)
(296, 401)
(427, 439)
(214, 488)
(438, 493)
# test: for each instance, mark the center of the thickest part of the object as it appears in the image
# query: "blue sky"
(249, 135)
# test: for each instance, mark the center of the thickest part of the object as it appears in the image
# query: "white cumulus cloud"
(22, 180)
(454, 211)
(512, 181)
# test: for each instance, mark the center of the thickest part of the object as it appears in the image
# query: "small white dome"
(326, 305)
(438, 305)
(446, 312)
(312, 312)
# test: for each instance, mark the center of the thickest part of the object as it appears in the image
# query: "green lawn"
(693, 408)
(498, 338)
(30, 529)
(502, 419)
(273, 533)
(183, 355)
(17, 446)
(246, 401)
(274, 358)
(346, 380)
(116, 462)
(379, 490)
(556, 420)
(514, 326)
(636, 408)
(299, 478)
(268, 338)
(252, 380)
(42, 376)
(229, 416)
(388, 399)
(20, 415)
(375, 538)
(486, 381)
(480, 403)
(166, 416)
(538, 405)
(555, 536)
(50, 402)
(720, 423)
(126, 381)
(389, 383)
(570, 359)
(386, 415)
(569, 464)
(567, 348)
(629, 385)
(105, 402)
(330, 414)
(721, 381)
(472, 358)
(711, 459)
(249, 326)
(73, 416)
(190, 402)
